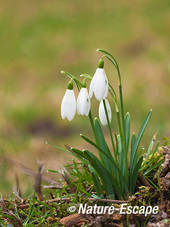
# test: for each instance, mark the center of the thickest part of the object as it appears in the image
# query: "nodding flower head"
(83, 102)
(102, 114)
(99, 83)
(68, 105)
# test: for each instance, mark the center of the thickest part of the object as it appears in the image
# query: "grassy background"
(39, 38)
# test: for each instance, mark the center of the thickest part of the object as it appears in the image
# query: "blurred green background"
(40, 38)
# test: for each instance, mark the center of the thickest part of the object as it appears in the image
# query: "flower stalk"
(109, 127)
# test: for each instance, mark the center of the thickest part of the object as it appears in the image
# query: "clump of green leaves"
(115, 170)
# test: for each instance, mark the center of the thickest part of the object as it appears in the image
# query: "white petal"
(88, 108)
(101, 84)
(83, 102)
(68, 105)
(102, 114)
(91, 88)
(107, 88)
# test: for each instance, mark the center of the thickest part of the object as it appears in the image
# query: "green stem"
(122, 115)
(114, 62)
(119, 124)
(71, 76)
(93, 128)
(113, 94)
(121, 104)
(123, 126)
(116, 146)
(109, 127)
(120, 118)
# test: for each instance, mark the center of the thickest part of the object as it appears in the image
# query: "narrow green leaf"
(102, 144)
(150, 147)
(142, 129)
(157, 188)
(133, 160)
(154, 166)
(116, 141)
(114, 166)
(97, 182)
(133, 154)
(97, 147)
(120, 153)
(135, 175)
(121, 163)
(150, 150)
(52, 171)
(127, 130)
(107, 158)
(102, 172)
(115, 180)
(150, 161)
(155, 149)
(57, 147)
(78, 154)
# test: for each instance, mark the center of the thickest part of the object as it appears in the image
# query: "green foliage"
(111, 169)
(153, 158)
(115, 171)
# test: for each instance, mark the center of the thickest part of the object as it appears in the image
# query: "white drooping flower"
(68, 105)
(102, 114)
(99, 83)
(83, 102)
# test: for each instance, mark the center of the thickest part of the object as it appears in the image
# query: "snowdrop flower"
(68, 105)
(83, 102)
(102, 114)
(99, 83)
